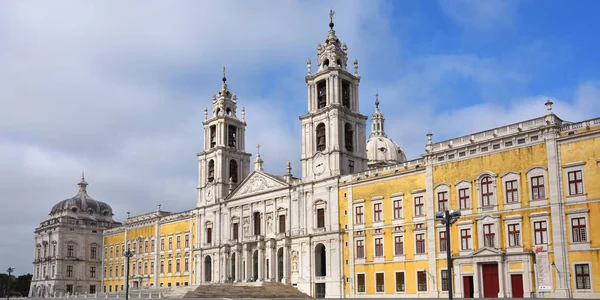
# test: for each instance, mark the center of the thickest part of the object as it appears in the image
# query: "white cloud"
(480, 15)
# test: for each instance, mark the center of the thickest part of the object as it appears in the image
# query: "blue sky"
(118, 89)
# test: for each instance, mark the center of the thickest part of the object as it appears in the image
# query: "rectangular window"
(538, 192)
(178, 265)
(443, 241)
(398, 209)
(398, 245)
(187, 241)
(208, 235)
(419, 206)
(69, 271)
(281, 223)
(578, 230)
(377, 212)
(512, 192)
(514, 235)
(350, 166)
(162, 266)
(162, 244)
(186, 266)
(421, 281)
(488, 235)
(444, 280)
(93, 252)
(145, 246)
(71, 251)
(540, 232)
(379, 283)
(152, 245)
(400, 287)
(378, 247)
(169, 266)
(320, 218)
(420, 238)
(486, 192)
(575, 182)
(170, 243)
(122, 270)
(152, 267)
(236, 230)
(582, 276)
(93, 272)
(465, 239)
(442, 201)
(359, 214)
(360, 283)
(92, 289)
(178, 241)
(360, 249)
(464, 198)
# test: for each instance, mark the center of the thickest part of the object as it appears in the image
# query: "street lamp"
(448, 218)
(9, 270)
(128, 254)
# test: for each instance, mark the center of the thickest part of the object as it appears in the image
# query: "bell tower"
(224, 162)
(333, 130)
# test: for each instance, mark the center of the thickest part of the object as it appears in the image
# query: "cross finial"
(377, 100)
(224, 72)
(331, 13)
(258, 148)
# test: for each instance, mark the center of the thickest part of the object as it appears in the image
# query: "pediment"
(257, 182)
(486, 252)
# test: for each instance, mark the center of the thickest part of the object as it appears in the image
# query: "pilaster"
(431, 232)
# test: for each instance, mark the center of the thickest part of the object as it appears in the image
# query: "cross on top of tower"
(224, 71)
(258, 149)
(377, 100)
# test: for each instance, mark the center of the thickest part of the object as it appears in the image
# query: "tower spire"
(258, 161)
(377, 120)
(82, 184)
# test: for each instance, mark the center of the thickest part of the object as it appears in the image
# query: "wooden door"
(491, 286)
(516, 282)
(468, 286)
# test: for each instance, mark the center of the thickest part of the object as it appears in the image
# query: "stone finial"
(356, 67)
(158, 207)
(429, 138)
(289, 168)
(345, 47)
(243, 114)
(205, 113)
(308, 66)
(234, 98)
(549, 107)
(128, 215)
(82, 184)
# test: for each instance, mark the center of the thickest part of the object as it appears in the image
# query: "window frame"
(377, 285)
(514, 178)
(364, 283)
(534, 219)
(464, 185)
(438, 190)
(403, 284)
(492, 191)
(589, 275)
(567, 169)
(536, 172)
(581, 213)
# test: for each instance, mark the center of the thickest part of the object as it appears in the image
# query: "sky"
(117, 89)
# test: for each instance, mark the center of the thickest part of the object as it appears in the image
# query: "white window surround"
(403, 255)
(382, 237)
(462, 184)
(365, 282)
(395, 197)
(414, 194)
(485, 220)
(357, 259)
(465, 225)
(375, 282)
(377, 200)
(570, 167)
(514, 220)
(318, 204)
(494, 199)
(537, 217)
(574, 278)
(427, 281)
(440, 188)
(573, 214)
(509, 176)
(534, 172)
(419, 256)
(358, 225)
(439, 228)
(440, 277)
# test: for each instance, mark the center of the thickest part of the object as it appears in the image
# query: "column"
(501, 272)
(431, 232)
(238, 266)
(286, 264)
(476, 280)
(261, 262)
(248, 259)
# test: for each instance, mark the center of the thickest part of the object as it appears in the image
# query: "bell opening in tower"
(322, 94)
(213, 136)
(233, 170)
(321, 137)
(211, 170)
(348, 137)
(346, 94)
(231, 135)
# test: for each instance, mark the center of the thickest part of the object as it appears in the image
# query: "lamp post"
(9, 270)
(448, 218)
(128, 255)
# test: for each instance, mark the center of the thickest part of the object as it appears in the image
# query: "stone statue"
(294, 261)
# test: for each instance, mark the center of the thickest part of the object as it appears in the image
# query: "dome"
(82, 204)
(383, 151)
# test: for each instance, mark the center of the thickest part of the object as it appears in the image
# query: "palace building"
(360, 220)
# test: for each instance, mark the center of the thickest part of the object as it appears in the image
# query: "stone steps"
(246, 290)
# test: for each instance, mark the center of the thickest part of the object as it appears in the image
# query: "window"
(350, 166)
(151, 246)
(231, 135)
(69, 271)
(421, 281)
(420, 243)
(377, 212)
(122, 270)
(146, 246)
(321, 94)
(93, 272)
(444, 280)
(211, 170)
(346, 94)
(465, 239)
(321, 218)
(233, 171)
(321, 143)
(187, 241)
(92, 289)
(379, 283)
(360, 283)
(488, 235)
(442, 201)
(540, 232)
(575, 182)
(514, 233)
(70, 288)
(378, 247)
(359, 214)
(578, 230)
(281, 223)
(397, 209)
(348, 137)
(93, 252)
(538, 191)
(152, 267)
(162, 266)
(236, 230)
(209, 235)
(170, 243)
(178, 265)
(464, 198)
(71, 251)
(582, 277)
(486, 192)
(162, 244)
(398, 245)
(178, 241)
(512, 192)
(257, 221)
(360, 249)
(186, 265)
(443, 247)
(170, 266)
(400, 287)
(419, 206)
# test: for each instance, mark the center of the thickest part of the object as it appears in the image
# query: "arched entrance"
(320, 270)
(232, 275)
(280, 264)
(255, 266)
(207, 268)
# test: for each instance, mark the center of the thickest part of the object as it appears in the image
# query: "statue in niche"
(294, 261)
(269, 223)
(246, 226)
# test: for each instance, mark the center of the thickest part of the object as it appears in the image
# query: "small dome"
(383, 151)
(82, 205)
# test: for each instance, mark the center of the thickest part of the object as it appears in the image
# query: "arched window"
(321, 94)
(207, 269)
(213, 136)
(228, 111)
(487, 193)
(326, 64)
(211, 170)
(321, 144)
(348, 137)
(233, 171)
(346, 94)
(231, 135)
(320, 260)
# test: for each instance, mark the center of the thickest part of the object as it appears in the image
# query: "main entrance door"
(490, 280)
(468, 286)
(516, 282)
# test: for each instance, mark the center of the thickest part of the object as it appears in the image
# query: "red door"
(516, 281)
(467, 286)
(490, 280)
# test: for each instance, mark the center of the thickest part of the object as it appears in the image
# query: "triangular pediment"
(487, 252)
(257, 182)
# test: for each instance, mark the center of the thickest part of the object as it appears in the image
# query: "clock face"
(319, 164)
(208, 193)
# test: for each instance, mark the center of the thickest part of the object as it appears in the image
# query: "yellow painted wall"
(588, 151)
